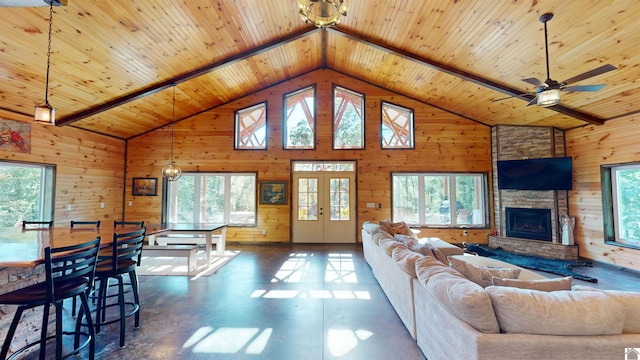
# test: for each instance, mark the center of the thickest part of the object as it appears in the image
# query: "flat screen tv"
(535, 174)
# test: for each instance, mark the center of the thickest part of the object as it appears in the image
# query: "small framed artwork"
(273, 192)
(145, 187)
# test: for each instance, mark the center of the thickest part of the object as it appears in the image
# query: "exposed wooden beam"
(466, 76)
(181, 78)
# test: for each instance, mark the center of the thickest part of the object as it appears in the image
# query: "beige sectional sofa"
(452, 317)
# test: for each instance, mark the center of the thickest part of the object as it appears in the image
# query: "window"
(251, 128)
(397, 127)
(621, 204)
(27, 193)
(228, 198)
(299, 119)
(348, 119)
(437, 199)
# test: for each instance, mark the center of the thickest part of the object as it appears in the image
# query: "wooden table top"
(25, 248)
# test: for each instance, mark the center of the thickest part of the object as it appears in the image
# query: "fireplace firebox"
(525, 223)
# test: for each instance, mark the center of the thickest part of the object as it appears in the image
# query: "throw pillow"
(397, 228)
(437, 253)
(464, 299)
(482, 275)
(526, 311)
(405, 259)
(555, 284)
(405, 239)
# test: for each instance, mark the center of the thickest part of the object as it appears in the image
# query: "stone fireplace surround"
(532, 142)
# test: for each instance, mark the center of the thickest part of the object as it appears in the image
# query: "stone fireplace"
(534, 228)
(528, 223)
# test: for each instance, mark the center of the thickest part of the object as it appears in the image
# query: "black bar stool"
(139, 224)
(87, 224)
(26, 225)
(126, 251)
(69, 273)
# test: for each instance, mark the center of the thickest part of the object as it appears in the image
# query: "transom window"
(27, 193)
(299, 119)
(621, 208)
(440, 199)
(228, 198)
(251, 128)
(348, 119)
(397, 127)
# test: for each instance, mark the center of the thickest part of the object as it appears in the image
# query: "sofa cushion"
(396, 228)
(554, 284)
(630, 301)
(482, 275)
(446, 248)
(428, 266)
(378, 234)
(406, 259)
(387, 245)
(465, 299)
(527, 311)
(437, 253)
(369, 226)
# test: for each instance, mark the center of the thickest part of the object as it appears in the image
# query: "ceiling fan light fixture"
(323, 13)
(549, 97)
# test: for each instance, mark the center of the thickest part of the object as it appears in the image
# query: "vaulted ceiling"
(113, 62)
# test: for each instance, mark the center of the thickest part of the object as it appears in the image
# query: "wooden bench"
(188, 251)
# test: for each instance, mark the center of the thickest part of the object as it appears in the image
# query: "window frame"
(285, 120)
(451, 176)
(237, 131)
(610, 217)
(410, 126)
(47, 193)
(333, 118)
(168, 198)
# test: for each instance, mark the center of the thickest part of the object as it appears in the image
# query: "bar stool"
(26, 225)
(69, 273)
(92, 224)
(126, 251)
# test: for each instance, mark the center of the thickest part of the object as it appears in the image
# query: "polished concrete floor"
(280, 302)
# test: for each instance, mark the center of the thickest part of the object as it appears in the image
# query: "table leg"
(222, 242)
(209, 238)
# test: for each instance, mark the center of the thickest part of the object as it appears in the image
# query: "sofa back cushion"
(387, 245)
(465, 299)
(527, 311)
(406, 259)
(428, 266)
(630, 301)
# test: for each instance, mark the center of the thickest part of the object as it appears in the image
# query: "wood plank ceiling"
(113, 62)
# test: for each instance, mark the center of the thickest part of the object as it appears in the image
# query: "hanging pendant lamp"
(172, 172)
(45, 113)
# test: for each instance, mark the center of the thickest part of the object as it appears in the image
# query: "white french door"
(324, 203)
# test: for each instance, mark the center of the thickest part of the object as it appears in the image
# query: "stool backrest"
(139, 224)
(70, 267)
(127, 246)
(95, 224)
(36, 224)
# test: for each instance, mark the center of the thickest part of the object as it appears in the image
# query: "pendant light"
(172, 172)
(46, 113)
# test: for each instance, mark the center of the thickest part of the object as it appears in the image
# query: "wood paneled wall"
(592, 146)
(89, 170)
(444, 142)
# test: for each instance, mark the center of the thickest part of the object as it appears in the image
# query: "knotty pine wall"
(204, 142)
(89, 169)
(592, 146)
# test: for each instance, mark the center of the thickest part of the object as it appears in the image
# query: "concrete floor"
(280, 302)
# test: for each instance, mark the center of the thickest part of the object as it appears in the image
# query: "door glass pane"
(339, 199)
(307, 199)
(212, 199)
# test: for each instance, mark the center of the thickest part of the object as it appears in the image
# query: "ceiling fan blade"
(523, 96)
(535, 82)
(591, 73)
(533, 101)
(583, 88)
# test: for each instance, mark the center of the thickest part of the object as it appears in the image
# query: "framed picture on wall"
(144, 187)
(273, 192)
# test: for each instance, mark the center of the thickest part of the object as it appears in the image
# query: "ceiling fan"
(548, 91)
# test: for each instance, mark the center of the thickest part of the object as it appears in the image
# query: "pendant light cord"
(46, 92)
(173, 120)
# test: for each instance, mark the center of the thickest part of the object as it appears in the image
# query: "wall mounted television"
(535, 174)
